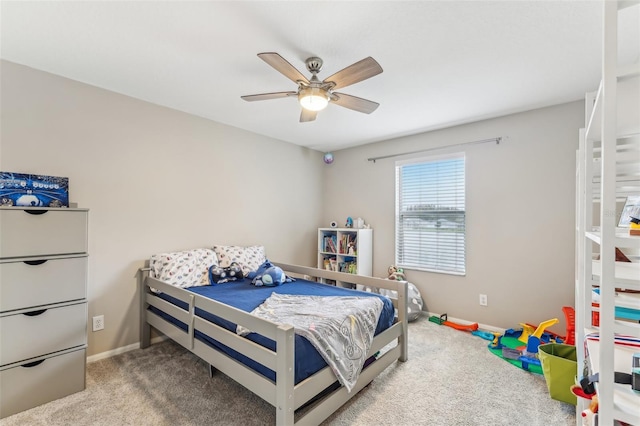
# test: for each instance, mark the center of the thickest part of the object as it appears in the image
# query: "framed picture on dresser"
(30, 190)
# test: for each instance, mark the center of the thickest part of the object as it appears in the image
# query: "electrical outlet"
(483, 299)
(98, 323)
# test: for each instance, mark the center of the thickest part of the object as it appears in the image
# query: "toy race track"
(442, 320)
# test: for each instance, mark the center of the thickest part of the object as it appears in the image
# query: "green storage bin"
(560, 368)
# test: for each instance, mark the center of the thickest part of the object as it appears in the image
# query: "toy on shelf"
(634, 226)
(589, 415)
(587, 390)
(351, 250)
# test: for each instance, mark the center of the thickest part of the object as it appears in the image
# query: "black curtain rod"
(496, 140)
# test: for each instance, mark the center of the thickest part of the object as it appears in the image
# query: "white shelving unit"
(608, 171)
(346, 250)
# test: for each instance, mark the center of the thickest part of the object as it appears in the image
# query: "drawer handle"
(35, 313)
(35, 262)
(35, 212)
(32, 364)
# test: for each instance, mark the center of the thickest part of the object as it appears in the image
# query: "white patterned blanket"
(340, 328)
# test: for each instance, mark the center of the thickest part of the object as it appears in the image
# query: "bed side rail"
(339, 276)
(194, 322)
(145, 328)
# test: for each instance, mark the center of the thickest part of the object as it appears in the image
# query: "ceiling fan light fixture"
(313, 94)
(313, 98)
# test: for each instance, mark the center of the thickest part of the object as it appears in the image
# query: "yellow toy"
(527, 330)
(634, 226)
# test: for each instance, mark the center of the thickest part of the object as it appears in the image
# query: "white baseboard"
(121, 350)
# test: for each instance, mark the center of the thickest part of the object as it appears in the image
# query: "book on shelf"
(330, 264)
(348, 267)
(329, 244)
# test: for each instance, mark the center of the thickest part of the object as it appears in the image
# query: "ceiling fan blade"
(307, 115)
(366, 68)
(267, 96)
(355, 103)
(284, 67)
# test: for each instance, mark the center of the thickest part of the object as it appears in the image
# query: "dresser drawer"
(35, 333)
(42, 281)
(27, 386)
(41, 232)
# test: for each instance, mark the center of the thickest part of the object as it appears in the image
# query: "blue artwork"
(25, 190)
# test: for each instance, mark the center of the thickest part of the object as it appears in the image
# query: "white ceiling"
(445, 62)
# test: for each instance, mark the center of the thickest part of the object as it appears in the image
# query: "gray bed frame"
(282, 394)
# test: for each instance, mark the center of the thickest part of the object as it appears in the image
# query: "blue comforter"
(245, 296)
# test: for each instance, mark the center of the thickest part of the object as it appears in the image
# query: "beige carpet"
(451, 378)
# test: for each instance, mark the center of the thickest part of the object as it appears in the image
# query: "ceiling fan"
(314, 95)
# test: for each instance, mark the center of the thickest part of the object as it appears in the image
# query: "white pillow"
(249, 258)
(189, 268)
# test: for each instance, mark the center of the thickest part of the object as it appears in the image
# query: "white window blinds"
(430, 214)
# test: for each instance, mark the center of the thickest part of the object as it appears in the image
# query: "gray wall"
(155, 180)
(520, 214)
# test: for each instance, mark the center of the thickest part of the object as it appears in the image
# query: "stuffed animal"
(352, 248)
(268, 275)
(414, 299)
(219, 275)
(396, 273)
(588, 415)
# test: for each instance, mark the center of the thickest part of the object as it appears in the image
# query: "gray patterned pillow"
(249, 258)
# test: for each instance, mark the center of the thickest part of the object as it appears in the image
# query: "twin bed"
(274, 361)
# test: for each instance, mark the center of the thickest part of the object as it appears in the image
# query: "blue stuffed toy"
(268, 275)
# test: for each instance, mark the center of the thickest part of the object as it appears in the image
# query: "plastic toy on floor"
(442, 320)
(486, 335)
(528, 330)
(520, 347)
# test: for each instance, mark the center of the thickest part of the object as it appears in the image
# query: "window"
(430, 214)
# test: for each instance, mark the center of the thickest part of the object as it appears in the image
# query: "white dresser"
(43, 305)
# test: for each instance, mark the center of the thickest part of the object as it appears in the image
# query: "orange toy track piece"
(463, 327)
(442, 320)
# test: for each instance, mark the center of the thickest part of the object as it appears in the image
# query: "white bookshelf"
(347, 250)
(608, 171)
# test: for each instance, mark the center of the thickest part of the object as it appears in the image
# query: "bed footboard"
(401, 287)
(283, 394)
